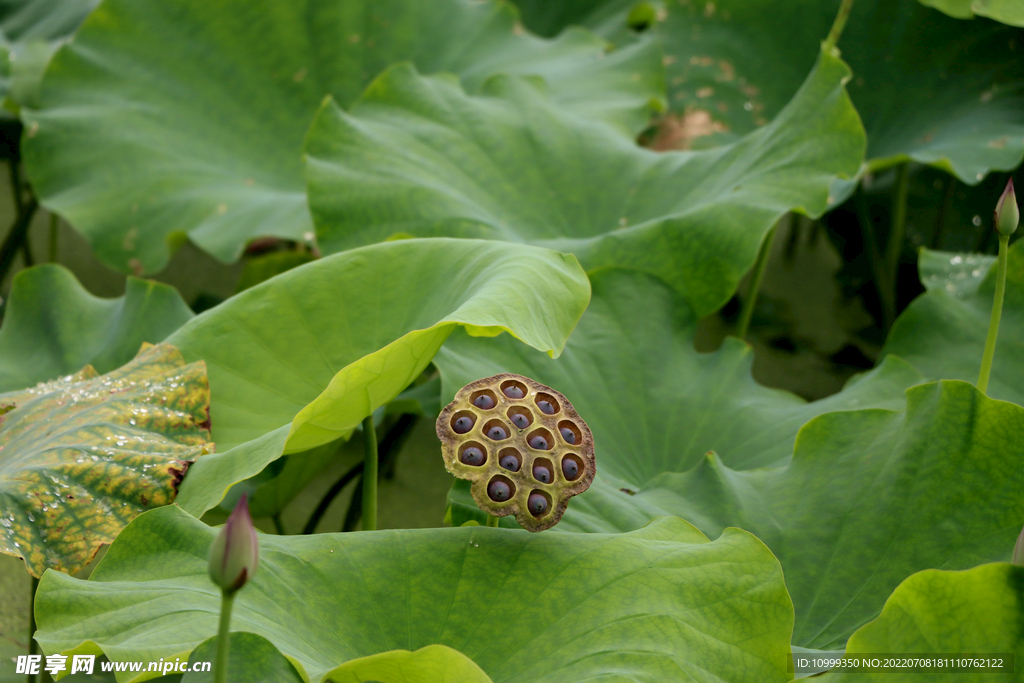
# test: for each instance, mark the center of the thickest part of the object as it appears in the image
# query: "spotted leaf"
(83, 455)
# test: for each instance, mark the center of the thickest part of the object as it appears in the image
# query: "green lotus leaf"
(251, 658)
(1007, 11)
(299, 360)
(417, 155)
(942, 332)
(928, 87)
(52, 326)
(116, 148)
(82, 455)
(943, 612)
(661, 603)
(653, 403)
(870, 497)
(430, 664)
(32, 30)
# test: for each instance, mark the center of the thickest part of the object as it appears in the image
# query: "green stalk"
(16, 236)
(492, 520)
(53, 237)
(838, 25)
(747, 312)
(32, 647)
(369, 474)
(899, 224)
(220, 665)
(997, 313)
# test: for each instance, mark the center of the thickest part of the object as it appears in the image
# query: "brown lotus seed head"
(523, 446)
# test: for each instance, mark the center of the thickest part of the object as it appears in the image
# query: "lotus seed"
(484, 402)
(497, 433)
(499, 491)
(463, 425)
(542, 474)
(546, 407)
(509, 462)
(538, 504)
(570, 469)
(473, 456)
(567, 434)
(539, 442)
(520, 420)
(512, 391)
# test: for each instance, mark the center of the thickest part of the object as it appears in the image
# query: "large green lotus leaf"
(82, 455)
(928, 87)
(299, 360)
(52, 326)
(166, 118)
(942, 332)
(870, 497)
(430, 664)
(653, 403)
(661, 603)
(417, 155)
(1006, 11)
(979, 610)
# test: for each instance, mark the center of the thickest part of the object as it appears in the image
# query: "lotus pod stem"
(522, 444)
(1007, 216)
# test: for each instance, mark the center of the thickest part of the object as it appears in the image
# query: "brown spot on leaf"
(678, 132)
(177, 474)
(205, 424)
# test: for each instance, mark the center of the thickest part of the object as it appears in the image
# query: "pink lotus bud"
(1007, 212)
(235, 552)
(1018, 550)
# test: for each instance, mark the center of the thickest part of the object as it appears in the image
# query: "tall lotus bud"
(235, 553)
(1018, 550)
(1007, 212)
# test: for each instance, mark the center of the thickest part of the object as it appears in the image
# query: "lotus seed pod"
(521, 444)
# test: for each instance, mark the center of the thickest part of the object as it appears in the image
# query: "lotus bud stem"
(234, 557)
(1006, 219)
